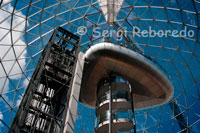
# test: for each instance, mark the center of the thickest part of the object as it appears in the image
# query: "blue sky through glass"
(179, 56)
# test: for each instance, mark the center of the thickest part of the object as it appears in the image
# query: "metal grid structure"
(27, 25)
(45, 102)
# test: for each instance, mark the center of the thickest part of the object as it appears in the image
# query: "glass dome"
(168, 32)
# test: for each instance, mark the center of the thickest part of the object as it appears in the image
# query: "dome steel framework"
(27, 25)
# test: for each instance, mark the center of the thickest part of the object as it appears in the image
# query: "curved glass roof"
(27, 25)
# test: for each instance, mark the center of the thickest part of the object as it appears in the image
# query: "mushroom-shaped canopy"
(149, 82)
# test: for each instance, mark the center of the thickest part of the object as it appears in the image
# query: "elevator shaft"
(114, 106)
(45, 103)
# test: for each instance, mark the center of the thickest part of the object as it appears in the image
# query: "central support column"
(114, 106)
(110, 109)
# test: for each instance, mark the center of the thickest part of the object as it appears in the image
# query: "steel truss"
(44, 106)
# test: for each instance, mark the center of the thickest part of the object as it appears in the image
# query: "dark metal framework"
(44, 106)
(179, 116)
